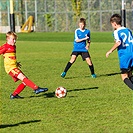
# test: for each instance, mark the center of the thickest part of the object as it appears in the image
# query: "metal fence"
(59, 15)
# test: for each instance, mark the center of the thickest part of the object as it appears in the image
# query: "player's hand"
(108, 53)
(19, 64)
(87, 47)
(86, 37)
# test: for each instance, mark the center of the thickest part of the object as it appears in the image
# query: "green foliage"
(101, 105)
(76, 4)
(49, 20)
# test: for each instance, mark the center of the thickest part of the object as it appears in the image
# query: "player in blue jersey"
(124, 45)
(80, 47)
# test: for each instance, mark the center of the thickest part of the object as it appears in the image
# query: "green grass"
(60, 37)
(101, 105)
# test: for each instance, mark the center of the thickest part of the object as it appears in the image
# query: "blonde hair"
(11, 33)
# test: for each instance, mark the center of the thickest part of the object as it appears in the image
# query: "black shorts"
(123, 70)
(84, 55)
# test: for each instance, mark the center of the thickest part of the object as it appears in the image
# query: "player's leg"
(130, 75)
(125, 62)
(69, 64)
(13, 73)
(16, 74)
(18, 90)
(126, 80)
(86, 56)
(28, 82)
(90, 64)
(31, 84)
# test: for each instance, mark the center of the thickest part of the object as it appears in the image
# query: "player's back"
(126, 39)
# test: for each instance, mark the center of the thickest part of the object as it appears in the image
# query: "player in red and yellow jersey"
(12, 67)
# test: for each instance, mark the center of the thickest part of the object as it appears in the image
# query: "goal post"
(123, 13)
(12, 17)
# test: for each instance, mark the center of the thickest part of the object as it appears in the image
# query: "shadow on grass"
(17, 124)
(52, 94)
(91, 88)
(110, 74)
(70, 77)
(47, 94)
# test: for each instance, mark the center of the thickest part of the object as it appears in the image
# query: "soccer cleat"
(93, 76)
(16, 96)
(39, 90)
(63, 74)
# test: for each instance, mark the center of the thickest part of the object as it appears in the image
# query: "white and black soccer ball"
(60, 92)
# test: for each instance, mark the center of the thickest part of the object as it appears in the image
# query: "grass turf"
(101, 105)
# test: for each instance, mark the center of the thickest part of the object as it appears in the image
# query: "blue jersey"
(80, 34)
(125, 49)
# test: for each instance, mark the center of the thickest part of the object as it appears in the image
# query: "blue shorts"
(126, 63)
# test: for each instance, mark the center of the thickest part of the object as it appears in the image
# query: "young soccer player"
(12, 66)
(124, 45)
(81, 45)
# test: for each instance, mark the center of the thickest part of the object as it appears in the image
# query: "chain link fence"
(62, 15)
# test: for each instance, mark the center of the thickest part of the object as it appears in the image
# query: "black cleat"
(16, 96)
(39, 90)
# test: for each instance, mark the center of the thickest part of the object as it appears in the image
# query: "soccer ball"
(60, 92)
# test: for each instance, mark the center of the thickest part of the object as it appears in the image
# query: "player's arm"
(80, 40)
(113, 48)
(88, 44)
(2, 49)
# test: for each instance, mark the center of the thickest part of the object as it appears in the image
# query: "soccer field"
(101, 105)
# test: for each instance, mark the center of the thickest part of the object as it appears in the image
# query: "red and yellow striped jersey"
(9, 54)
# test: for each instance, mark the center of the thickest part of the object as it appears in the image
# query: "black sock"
(128, 83)
(68, 66)
(131, 79)
(91, 69)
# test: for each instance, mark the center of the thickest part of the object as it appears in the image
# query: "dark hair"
(82, 20)
(116, 18)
